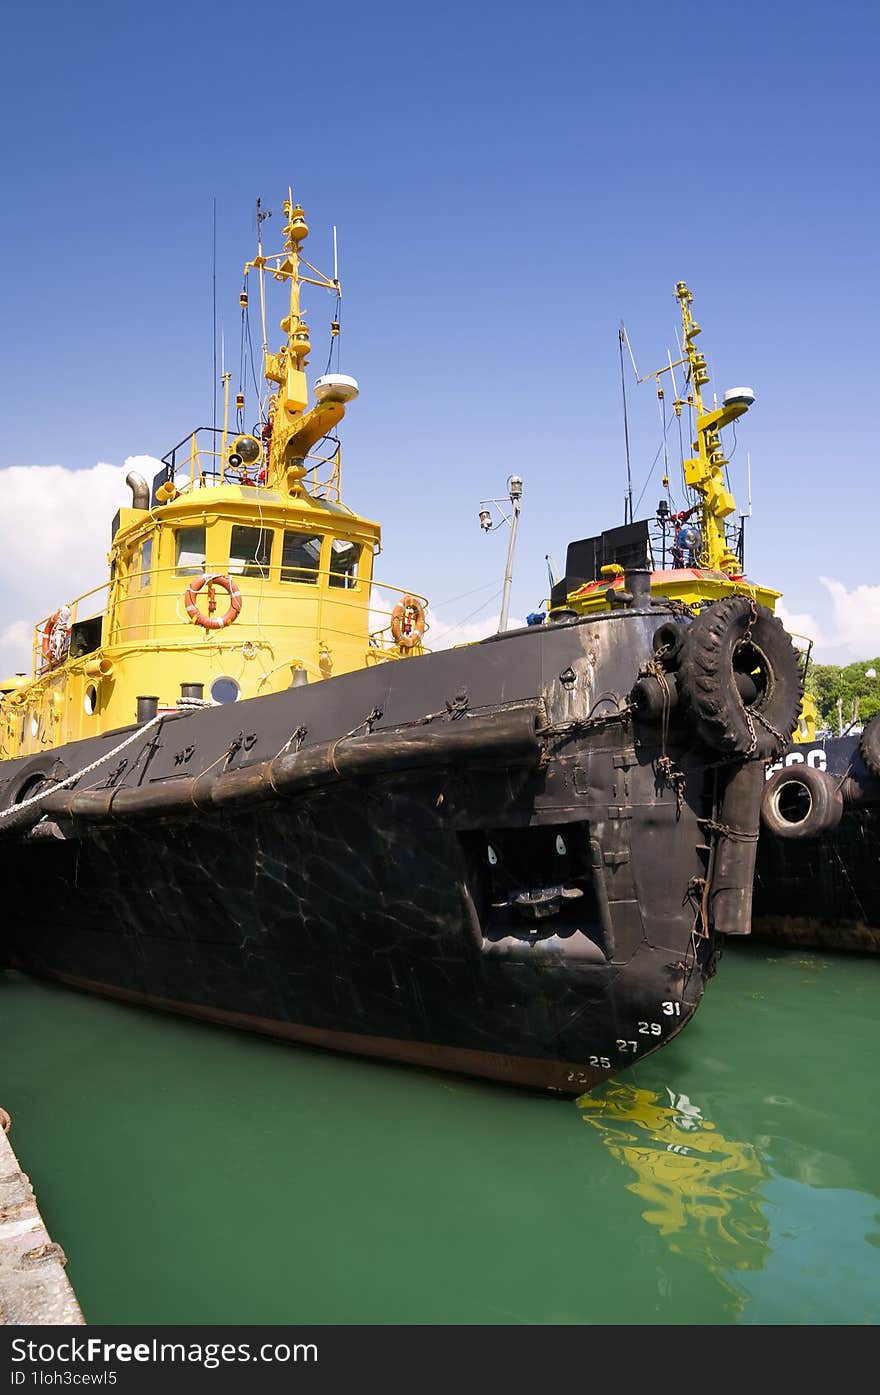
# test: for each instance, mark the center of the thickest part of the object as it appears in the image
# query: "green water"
(195, 1175)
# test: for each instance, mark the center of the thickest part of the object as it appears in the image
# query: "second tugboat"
(817, 879)
(231, 788)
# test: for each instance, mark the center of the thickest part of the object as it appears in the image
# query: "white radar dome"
(738, 394)
(336, 387)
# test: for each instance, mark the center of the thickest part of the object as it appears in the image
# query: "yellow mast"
(704, 472)
(294, 430)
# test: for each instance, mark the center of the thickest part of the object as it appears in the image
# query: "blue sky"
(509, 182)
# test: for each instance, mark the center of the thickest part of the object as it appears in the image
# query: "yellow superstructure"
(237, 573)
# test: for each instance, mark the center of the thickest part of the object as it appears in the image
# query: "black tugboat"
(817, 878)
(512, 859)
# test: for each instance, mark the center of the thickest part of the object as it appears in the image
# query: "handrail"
(202, 479)
(804, 654)
(222, 569)
(364, 596)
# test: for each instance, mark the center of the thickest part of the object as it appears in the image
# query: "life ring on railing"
(212, 622)
(55, 637)
(46, 638)
(408, 623)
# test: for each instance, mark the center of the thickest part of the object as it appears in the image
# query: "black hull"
(823, 893)
(359, 907)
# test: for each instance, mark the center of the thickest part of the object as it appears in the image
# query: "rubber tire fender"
(667, 642)
(708, 673)
(824, 810)
(45, 769)
(869, 744)
(653, 699)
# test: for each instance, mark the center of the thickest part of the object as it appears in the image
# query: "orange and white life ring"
(408, 623)
(55, 637)
(209, 621)
(46, 637)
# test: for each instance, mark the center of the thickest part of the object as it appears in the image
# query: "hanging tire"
(801, 802)
(869, 744)
(31, 777)
(667, 642)
(654, 698)
(739, 678)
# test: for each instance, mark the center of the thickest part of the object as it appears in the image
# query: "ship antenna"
(225, 378)
(747, 514)
(261, 218)
(335, 323)
(214, 313)
(628, 507)
(672, 374)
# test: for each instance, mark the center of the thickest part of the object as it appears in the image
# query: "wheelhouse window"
(344, 558)
(139, 567)
(189, 551)
(133, 579)
(146, 562)
(301, 558)
(250, 551)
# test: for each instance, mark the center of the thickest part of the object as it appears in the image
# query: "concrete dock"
(34, 1288)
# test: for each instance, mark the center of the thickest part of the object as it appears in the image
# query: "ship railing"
(804, 646)
(384, 601)
(154, 616)
(69, 617)
(341, 612)
(201, 460)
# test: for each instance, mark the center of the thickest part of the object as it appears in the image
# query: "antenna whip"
(214, 312)
(621, 335)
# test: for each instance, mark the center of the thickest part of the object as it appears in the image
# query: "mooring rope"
(87, 770)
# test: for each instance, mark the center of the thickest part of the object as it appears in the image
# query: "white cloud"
(855, 621)
(54, 538)
(851, 630)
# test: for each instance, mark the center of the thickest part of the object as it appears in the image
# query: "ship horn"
(140, 490)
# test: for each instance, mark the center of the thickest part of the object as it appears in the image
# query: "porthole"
(90, 701)
(225, 690)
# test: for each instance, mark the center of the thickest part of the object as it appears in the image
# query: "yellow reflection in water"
(703, 1191)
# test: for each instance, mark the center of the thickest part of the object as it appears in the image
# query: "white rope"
(35, 799)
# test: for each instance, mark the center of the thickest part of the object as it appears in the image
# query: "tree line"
(845, 695)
